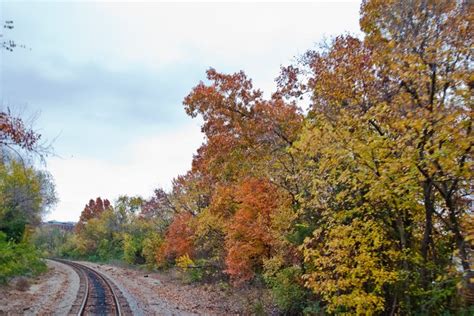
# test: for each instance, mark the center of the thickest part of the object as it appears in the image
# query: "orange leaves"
(179, 239)
(228, 98)
(241, 127)
(247, 208)
(244, 234)
(247, 138)
(249, 238)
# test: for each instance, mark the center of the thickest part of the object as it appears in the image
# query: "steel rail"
(118, 309)
(80, 268)
(86, 294)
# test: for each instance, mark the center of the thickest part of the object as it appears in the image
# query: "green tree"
(25, 195)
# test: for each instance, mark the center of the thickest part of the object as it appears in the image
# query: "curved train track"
(97, 295)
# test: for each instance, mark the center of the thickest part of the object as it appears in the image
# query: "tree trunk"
(427, 239)
(458, 237)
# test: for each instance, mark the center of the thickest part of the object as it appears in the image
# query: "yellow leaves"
(184, 262)
(349, 265)
(272, 265)
(282, 220)
(207, 221)
(151, 245)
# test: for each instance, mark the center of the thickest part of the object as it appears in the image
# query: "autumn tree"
(26, 195)
(431, 62)
(246, 136)
(245, 133)
(92, 210)
(389, 138)
(179, 239)
(249, 240)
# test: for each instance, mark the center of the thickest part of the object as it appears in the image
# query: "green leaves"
(18, 259)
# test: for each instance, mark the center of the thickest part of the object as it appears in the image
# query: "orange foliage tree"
(249, 239)
(178, 239)
(247, 137)
(92, 210)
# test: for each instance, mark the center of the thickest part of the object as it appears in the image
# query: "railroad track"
(97, 295)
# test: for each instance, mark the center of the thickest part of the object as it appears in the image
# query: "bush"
(132, 249)
(288, 290)
(69, 248)
(18, 259)
(189, 271)
(151, 245)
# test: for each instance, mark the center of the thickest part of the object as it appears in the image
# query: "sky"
(105, 81)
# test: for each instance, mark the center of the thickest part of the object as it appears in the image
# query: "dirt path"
(52, 293)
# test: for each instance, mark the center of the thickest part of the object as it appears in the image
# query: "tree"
(178, 239)
(158, 206)
(25, 195)
(432, 64)
(388, 140)
(92, 210)
(13, 132)
(247, 137)
(249, 240)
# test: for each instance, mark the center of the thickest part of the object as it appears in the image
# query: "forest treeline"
(348, 190)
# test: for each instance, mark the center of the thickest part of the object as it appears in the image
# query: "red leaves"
(92, 210)
(14, 132)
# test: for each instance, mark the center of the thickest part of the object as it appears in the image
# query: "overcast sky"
(108, 80)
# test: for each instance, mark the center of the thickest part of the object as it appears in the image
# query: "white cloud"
(163, 39)
(234, 33)
(146, 164)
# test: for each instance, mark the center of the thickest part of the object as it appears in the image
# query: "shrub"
(288, 290)
(132, 249)
(151, 245)
(190, 272)
(18, 259)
